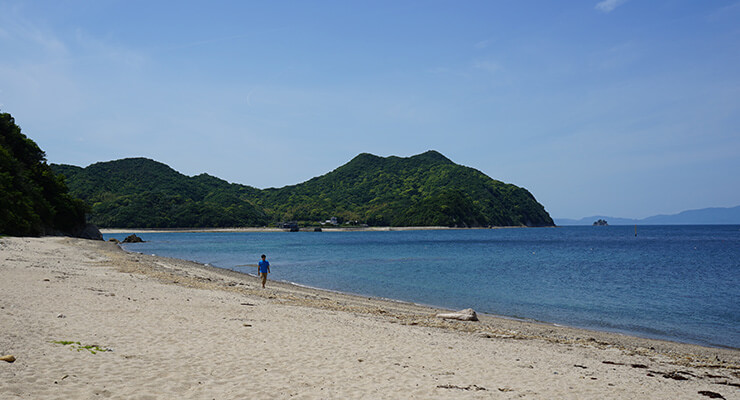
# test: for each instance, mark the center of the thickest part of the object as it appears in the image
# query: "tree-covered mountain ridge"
(427, 189)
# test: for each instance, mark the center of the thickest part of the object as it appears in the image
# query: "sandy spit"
(86, 320)
(114, 231)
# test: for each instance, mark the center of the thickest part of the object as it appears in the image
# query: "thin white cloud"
(608, 6)
(31, 38)
(730, 7)
(483, 44)
(439, 70)
(727, 11)
(488, 66)
(209, 41)
(34, 44)
(91, 47)
(253, 34)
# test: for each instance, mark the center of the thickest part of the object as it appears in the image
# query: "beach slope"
(86, 320)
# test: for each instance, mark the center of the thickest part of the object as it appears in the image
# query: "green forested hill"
(141, 193)
(33, 200)
(424, 190)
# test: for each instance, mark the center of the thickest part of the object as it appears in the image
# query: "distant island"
(423, 190)
(601, 222)
(704, 216)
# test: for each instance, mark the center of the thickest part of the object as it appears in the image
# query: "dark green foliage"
(447, 208)
(33, 200)
(141, 193)
(423, 190)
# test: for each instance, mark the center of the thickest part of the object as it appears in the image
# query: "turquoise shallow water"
(678, 283)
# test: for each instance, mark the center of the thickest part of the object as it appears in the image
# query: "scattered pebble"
(9, 358)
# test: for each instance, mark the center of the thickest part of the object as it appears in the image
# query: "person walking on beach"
(263, 269)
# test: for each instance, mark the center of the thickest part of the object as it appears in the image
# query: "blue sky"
(619, 107)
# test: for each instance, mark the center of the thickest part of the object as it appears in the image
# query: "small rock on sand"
(8, 358)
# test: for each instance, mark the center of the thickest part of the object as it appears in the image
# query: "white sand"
(177, 330)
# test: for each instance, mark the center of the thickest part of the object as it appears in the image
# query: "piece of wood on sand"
(467, 314)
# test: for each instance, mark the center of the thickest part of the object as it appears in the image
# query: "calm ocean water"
(679, 283)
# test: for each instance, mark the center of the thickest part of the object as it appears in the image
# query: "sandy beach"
(86, 320)
(302, 229)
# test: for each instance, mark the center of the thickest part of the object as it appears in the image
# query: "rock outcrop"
(133, 239)
(89, 231)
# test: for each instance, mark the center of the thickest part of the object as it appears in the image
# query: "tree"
(33, 200)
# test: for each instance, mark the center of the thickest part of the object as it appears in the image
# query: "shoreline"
(615, 331)
(534, 328)
(522, 328)
(481, 315)
(113, 231)
(179, 329)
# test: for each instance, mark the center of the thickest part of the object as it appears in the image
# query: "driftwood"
(463, 315)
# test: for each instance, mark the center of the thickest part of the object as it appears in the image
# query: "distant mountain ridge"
(704, 216)
(427, 189)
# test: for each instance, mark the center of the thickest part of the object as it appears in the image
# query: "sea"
(678, 283)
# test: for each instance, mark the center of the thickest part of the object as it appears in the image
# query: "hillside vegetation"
(424, 190)
(141, 193)
(33, 200)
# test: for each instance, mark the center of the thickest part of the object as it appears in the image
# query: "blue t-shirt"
(263, 266)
